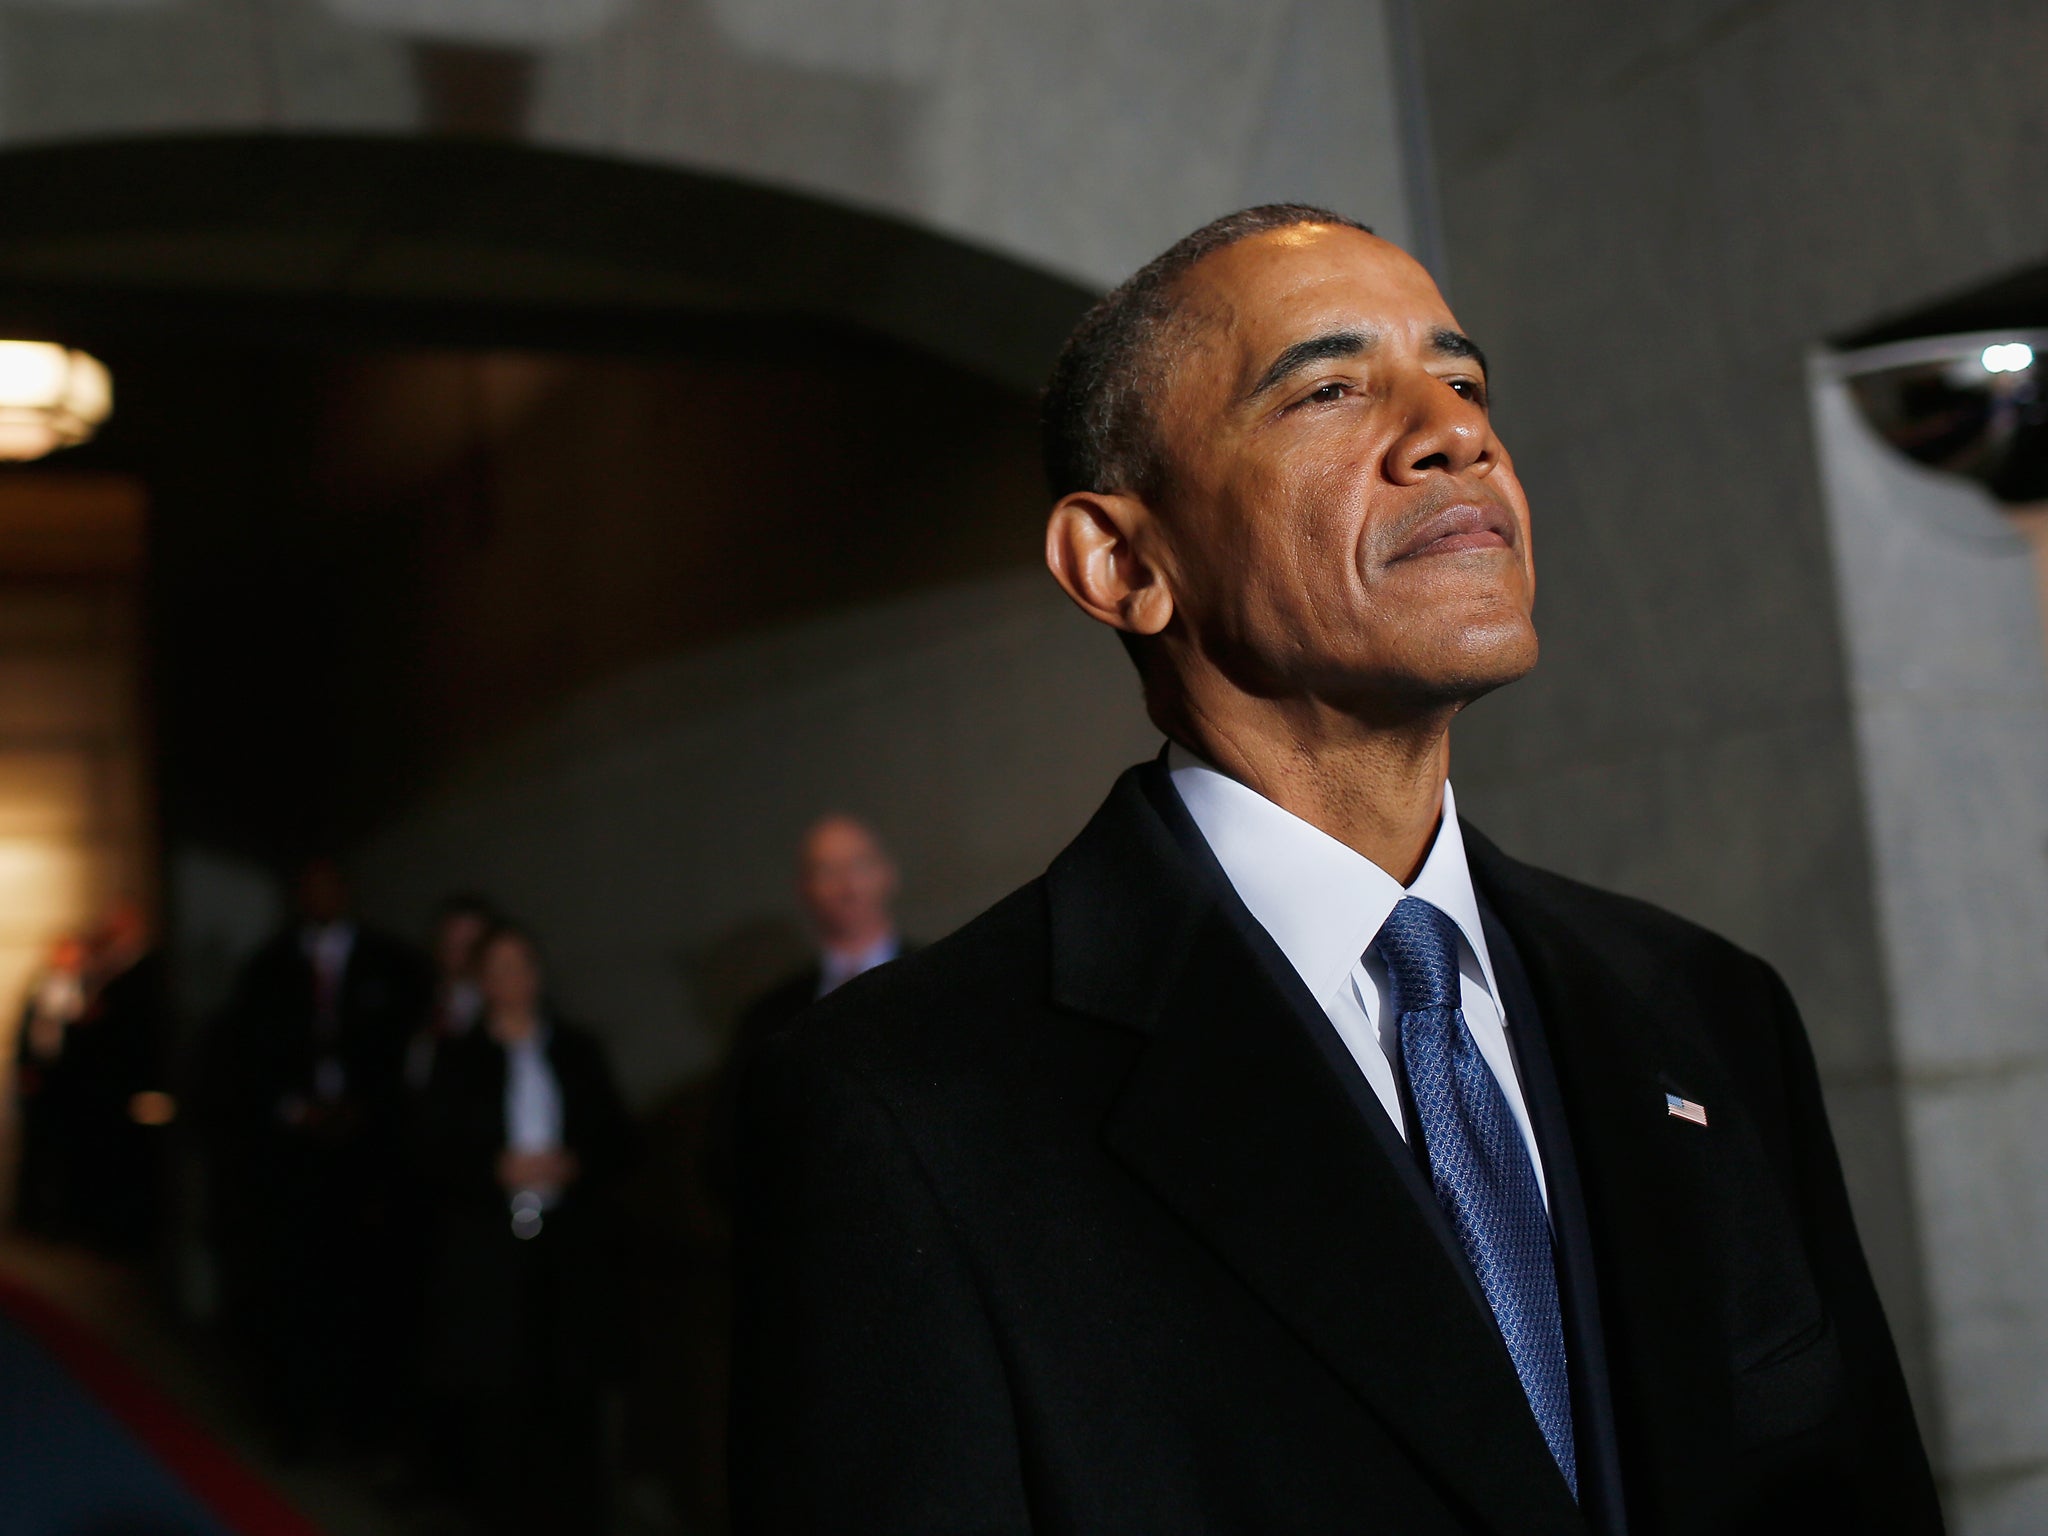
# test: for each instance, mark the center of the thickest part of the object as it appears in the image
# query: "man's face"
(1340, 521)
(323, 893)
(508, 974)
(846, 882)
(455, 940)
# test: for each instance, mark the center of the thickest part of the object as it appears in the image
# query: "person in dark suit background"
(846, 883)
(428, 1449)
(523, 1137)
(456, 1002)
(1287, 1157)
(92, 1075)
(301, 1095)
(127, 1029)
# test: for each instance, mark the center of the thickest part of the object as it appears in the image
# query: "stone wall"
(1080, 135)
(1949, 693)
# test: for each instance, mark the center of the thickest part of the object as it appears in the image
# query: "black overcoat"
(1072, 1223)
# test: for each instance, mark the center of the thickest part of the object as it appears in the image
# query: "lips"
(1455, 529)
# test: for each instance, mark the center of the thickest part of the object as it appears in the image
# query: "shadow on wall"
(648, 825)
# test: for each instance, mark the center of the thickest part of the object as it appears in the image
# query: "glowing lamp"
(1973, 405)
(50, 397)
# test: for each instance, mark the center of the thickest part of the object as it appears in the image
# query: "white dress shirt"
(1323, 904)
(533, 1120)
(328, 947)
(837, 967)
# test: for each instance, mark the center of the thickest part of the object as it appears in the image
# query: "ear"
(1103, 550)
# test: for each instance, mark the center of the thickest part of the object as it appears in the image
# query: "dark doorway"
(433, 435)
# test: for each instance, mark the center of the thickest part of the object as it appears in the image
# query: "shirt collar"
(1322, 902)
(328, 943)
(533, 1046)
(835, 968)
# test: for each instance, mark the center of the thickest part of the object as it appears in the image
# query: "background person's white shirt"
(533, 1096)
(836, 969)
(533, 1114)
(1323, 904)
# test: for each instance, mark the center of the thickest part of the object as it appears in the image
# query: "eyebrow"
(1331, 345)
(1445, 342)
(1305, 354)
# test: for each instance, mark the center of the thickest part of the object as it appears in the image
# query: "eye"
(1325, 394)
(1470, 389)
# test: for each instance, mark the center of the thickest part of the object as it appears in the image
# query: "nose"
(1445, 434)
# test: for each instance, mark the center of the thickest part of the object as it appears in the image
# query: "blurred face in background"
(508, 973)
(847, 884)
(123, 937)
(456, 937)
(322, 893)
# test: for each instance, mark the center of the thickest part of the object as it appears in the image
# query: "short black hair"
(1095, 420)
(468, 904)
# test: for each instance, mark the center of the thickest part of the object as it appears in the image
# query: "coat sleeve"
(869, 1393)
(600, 1125)
(1889, 1466)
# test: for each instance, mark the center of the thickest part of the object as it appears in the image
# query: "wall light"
(1974, 406)
(50, 397)
(2007, 357)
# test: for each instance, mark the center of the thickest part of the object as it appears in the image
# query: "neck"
(1375, 786)
(858, 942)
(509, 1026)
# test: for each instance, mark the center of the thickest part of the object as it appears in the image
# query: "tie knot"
(1419, 946)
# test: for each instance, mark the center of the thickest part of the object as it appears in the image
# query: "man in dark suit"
(302, 1094)
(1287, 1157)
(846, 882)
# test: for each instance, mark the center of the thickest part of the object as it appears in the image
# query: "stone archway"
(475, 240)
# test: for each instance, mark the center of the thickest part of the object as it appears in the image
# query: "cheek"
(1321, 553)
(1297, 556)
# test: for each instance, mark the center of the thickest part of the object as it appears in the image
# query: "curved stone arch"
(486, 242)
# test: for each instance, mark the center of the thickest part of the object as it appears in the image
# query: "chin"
(1490, 659)
(1457, 666)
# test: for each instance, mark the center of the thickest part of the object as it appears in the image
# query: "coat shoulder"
(1636, 935)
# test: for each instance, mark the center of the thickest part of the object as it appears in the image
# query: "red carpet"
(213, 1475)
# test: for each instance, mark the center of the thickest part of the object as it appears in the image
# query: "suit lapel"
(1600, 1486)
(1240, 1126)
(1614, 1058)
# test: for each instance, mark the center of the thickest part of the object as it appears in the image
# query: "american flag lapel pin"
(1685, 1109)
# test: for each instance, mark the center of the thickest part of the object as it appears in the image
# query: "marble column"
(1942, 628)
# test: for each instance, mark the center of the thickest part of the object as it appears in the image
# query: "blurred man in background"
(46, 1090)
(846, 882)
(459, 930)
(429, 1456)
(126, 1031)
(92, 1079)
(303, 1085)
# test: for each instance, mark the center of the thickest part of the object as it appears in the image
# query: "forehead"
(1278, 287)
(838, 840)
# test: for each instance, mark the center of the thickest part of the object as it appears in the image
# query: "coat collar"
(1239, 1124)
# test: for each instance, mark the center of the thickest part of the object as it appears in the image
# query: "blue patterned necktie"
(1479, 1163)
